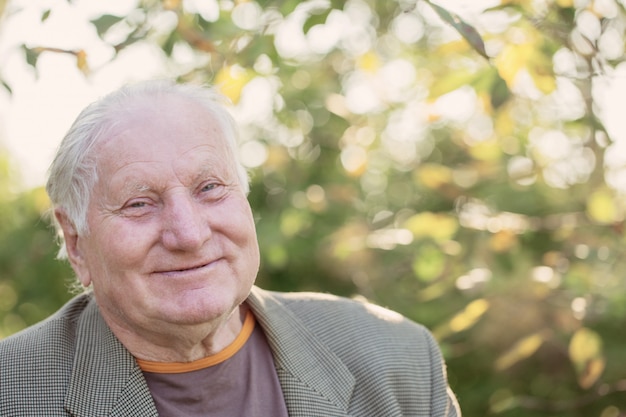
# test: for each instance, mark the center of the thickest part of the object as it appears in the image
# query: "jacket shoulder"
(39, 359)
(396, 362)
(354, 311)
(358, 324)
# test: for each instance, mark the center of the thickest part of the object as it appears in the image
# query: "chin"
(198, 311)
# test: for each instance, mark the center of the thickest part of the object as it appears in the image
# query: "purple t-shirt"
(240, 380)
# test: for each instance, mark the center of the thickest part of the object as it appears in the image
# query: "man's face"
(171, 235)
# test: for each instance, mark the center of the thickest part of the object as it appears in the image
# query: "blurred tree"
(471, 186)
(33, 283)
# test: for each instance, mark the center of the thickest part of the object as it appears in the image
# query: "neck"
(180, 343)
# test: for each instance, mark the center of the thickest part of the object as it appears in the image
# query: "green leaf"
(315, 19)
(500, 93)
(337, 4)
(468, 32)
(429, 263)
(451, 81)
(104, 23)
(45, 15)
(170, 41)
(287, 7)
(6, 86)
(32, 54)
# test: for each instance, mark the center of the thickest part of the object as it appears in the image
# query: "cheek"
(234, 221)
(239, 224)
(120, 246)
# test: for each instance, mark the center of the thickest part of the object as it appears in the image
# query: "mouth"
(192, 268)
(181, 269)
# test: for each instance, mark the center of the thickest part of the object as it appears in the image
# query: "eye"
(135, 207)
(212, 191)
(136, 204)
(208, 187)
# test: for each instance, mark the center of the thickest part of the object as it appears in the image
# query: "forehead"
(160, 137)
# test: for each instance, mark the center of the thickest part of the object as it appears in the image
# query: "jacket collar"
(314, 380)
(106, 380)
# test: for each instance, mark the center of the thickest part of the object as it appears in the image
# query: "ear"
(73, 246)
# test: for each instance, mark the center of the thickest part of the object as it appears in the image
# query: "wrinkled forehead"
(131, 111)
(167, 128)
(165, 109)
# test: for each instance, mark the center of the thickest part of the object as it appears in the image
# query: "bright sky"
(34, 119)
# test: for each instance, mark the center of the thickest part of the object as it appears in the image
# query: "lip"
(182, 269)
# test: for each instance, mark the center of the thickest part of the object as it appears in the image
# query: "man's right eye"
(135, 207)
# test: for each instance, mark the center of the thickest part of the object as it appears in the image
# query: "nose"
(184, 225)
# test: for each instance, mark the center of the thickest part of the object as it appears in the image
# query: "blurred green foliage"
(33, 283)
(454, 168)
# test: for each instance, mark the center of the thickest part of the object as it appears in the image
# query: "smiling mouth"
(193, 268)
(186, 269)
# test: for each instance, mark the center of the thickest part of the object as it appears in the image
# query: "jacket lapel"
(314, 380)
(105, 379)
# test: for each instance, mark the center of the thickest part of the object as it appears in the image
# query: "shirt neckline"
(212, 360)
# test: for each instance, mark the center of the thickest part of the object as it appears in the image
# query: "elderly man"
(151, 201)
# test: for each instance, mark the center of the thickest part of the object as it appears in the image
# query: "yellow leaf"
(512, 59)
(469, 316)
(585, 345)
(502, 400)
(565, 3)
(592, 372)
(523, 349)
(455, 47)
(451, 81)
(503, 241)
(545, 83)
(439, 227)
(601, 207)
(277, 158)
(433, 291)
(540, 70)
(231, 80)
(504, 124)
(484, 98)
(486, 151)
(585, 352)
(81, 62)
(527, 56)
(433, 176)
(171, 4)
(463, 320)
(368, 62)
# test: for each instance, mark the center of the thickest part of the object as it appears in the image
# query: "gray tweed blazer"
(334, 357)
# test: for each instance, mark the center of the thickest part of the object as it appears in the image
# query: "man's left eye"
(208, 187)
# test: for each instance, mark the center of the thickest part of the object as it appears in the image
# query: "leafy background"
(455, 168)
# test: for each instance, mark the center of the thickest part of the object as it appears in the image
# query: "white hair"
(73, 172)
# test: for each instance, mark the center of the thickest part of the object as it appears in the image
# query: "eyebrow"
(132, 186)
(130, 189)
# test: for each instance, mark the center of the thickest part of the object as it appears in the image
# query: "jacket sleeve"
(443, 400)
